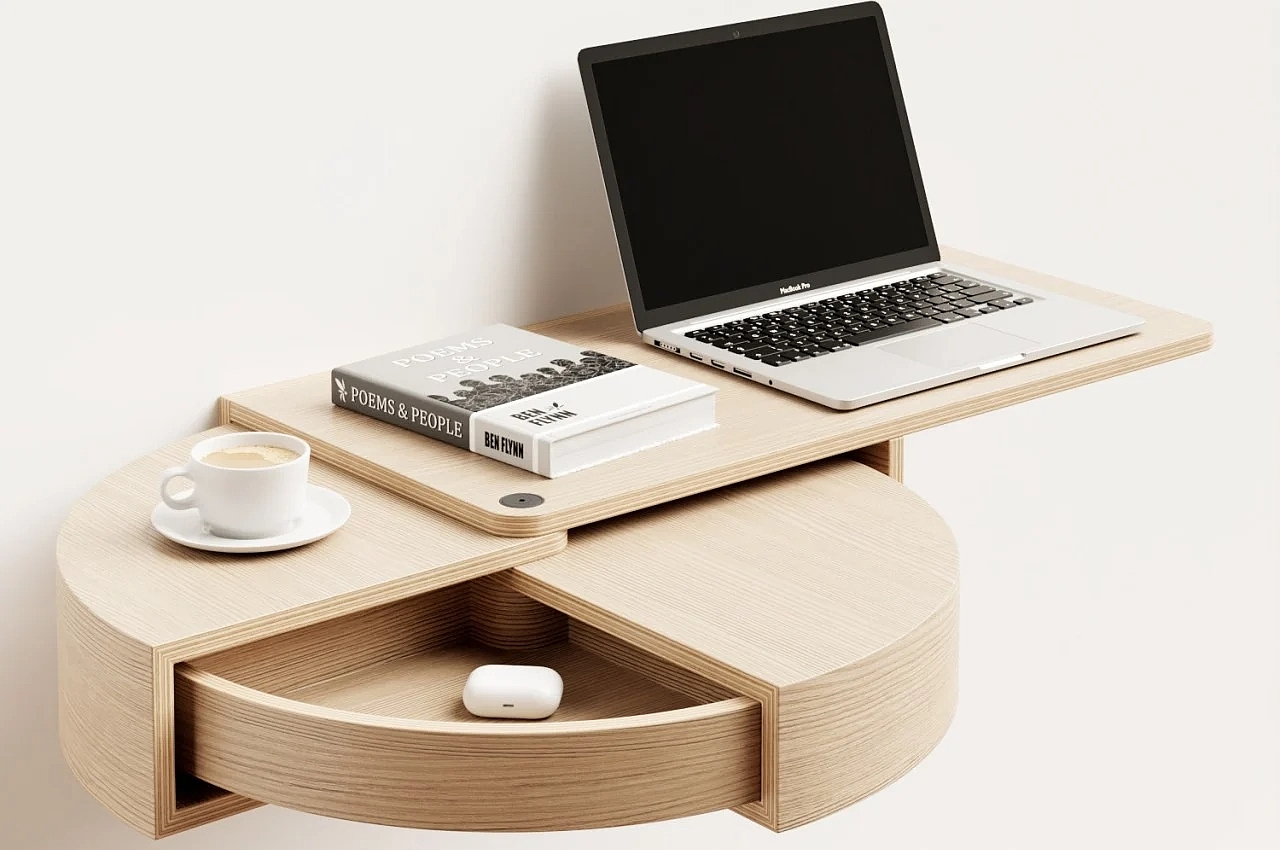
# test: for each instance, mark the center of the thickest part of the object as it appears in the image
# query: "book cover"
(514, 396)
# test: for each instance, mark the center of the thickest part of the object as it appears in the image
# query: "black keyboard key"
(762, 352)
(723, 342)
(968, 313)
(1001, 303)
(993, 295)
(987, 308)
(894, 330)
(949, 317)
(977, 290)
(962, 303)
(944, 279)
(936, 275)
(1023, 300)
(930, 311)
(939, 299)
(910, 317)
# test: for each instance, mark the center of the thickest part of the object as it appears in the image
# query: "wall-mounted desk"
(759, 618)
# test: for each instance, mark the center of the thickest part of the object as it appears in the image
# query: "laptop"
(772, 223)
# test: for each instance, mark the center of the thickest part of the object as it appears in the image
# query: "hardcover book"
(526, 399)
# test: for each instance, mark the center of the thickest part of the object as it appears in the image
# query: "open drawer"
(361, 718)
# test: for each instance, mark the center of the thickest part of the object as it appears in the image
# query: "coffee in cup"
(250, 457)
(248, 486)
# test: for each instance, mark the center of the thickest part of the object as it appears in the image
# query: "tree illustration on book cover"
(500, 389)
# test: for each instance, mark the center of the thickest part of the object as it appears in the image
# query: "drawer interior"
(409, 660)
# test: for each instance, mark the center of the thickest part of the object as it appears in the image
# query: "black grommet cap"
(521, 500)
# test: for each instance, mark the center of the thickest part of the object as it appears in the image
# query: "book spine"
(501, 442)
(427, 416)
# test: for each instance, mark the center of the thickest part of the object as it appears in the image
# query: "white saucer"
(326, 512)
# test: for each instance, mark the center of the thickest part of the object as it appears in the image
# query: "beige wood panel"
(887, 457)
(781, 580)
(163, 594)
(105, 719)
(760, 430)
(389, 742)
(827, 588)
(849, 733)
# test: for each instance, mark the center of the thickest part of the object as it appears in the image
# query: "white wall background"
(199, 198)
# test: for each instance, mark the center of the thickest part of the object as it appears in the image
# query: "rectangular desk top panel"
(760, 430)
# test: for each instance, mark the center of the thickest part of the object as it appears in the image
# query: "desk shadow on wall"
(570, 258)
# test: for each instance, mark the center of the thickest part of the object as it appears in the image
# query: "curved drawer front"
(468, 776)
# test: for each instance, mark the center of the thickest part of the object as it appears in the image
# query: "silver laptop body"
(763, 183)
(865, 374)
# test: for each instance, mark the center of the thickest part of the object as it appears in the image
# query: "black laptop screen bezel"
(646, 318)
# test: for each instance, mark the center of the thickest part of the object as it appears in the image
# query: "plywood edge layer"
(224, 805)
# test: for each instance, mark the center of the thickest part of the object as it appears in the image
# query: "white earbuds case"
(513, 691)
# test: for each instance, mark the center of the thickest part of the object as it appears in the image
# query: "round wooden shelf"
(782, 647)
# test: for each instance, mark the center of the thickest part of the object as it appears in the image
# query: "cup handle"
(177, 503)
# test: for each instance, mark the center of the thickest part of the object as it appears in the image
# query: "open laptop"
(772, 222)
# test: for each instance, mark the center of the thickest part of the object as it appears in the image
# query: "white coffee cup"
(244, 504)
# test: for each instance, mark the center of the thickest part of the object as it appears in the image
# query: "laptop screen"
(758, 160)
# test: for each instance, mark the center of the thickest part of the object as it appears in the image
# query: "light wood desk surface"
(760, 431)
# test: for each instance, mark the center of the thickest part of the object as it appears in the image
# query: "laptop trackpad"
(962, 347)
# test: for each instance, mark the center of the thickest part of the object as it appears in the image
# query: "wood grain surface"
(826, 593)
(376, 730)
(163, 594)
(132, 605)
(760, 430)
(784, 645)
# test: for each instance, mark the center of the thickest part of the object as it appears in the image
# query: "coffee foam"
(250, 456)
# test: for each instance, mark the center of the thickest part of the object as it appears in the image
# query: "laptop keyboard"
(870, 315)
